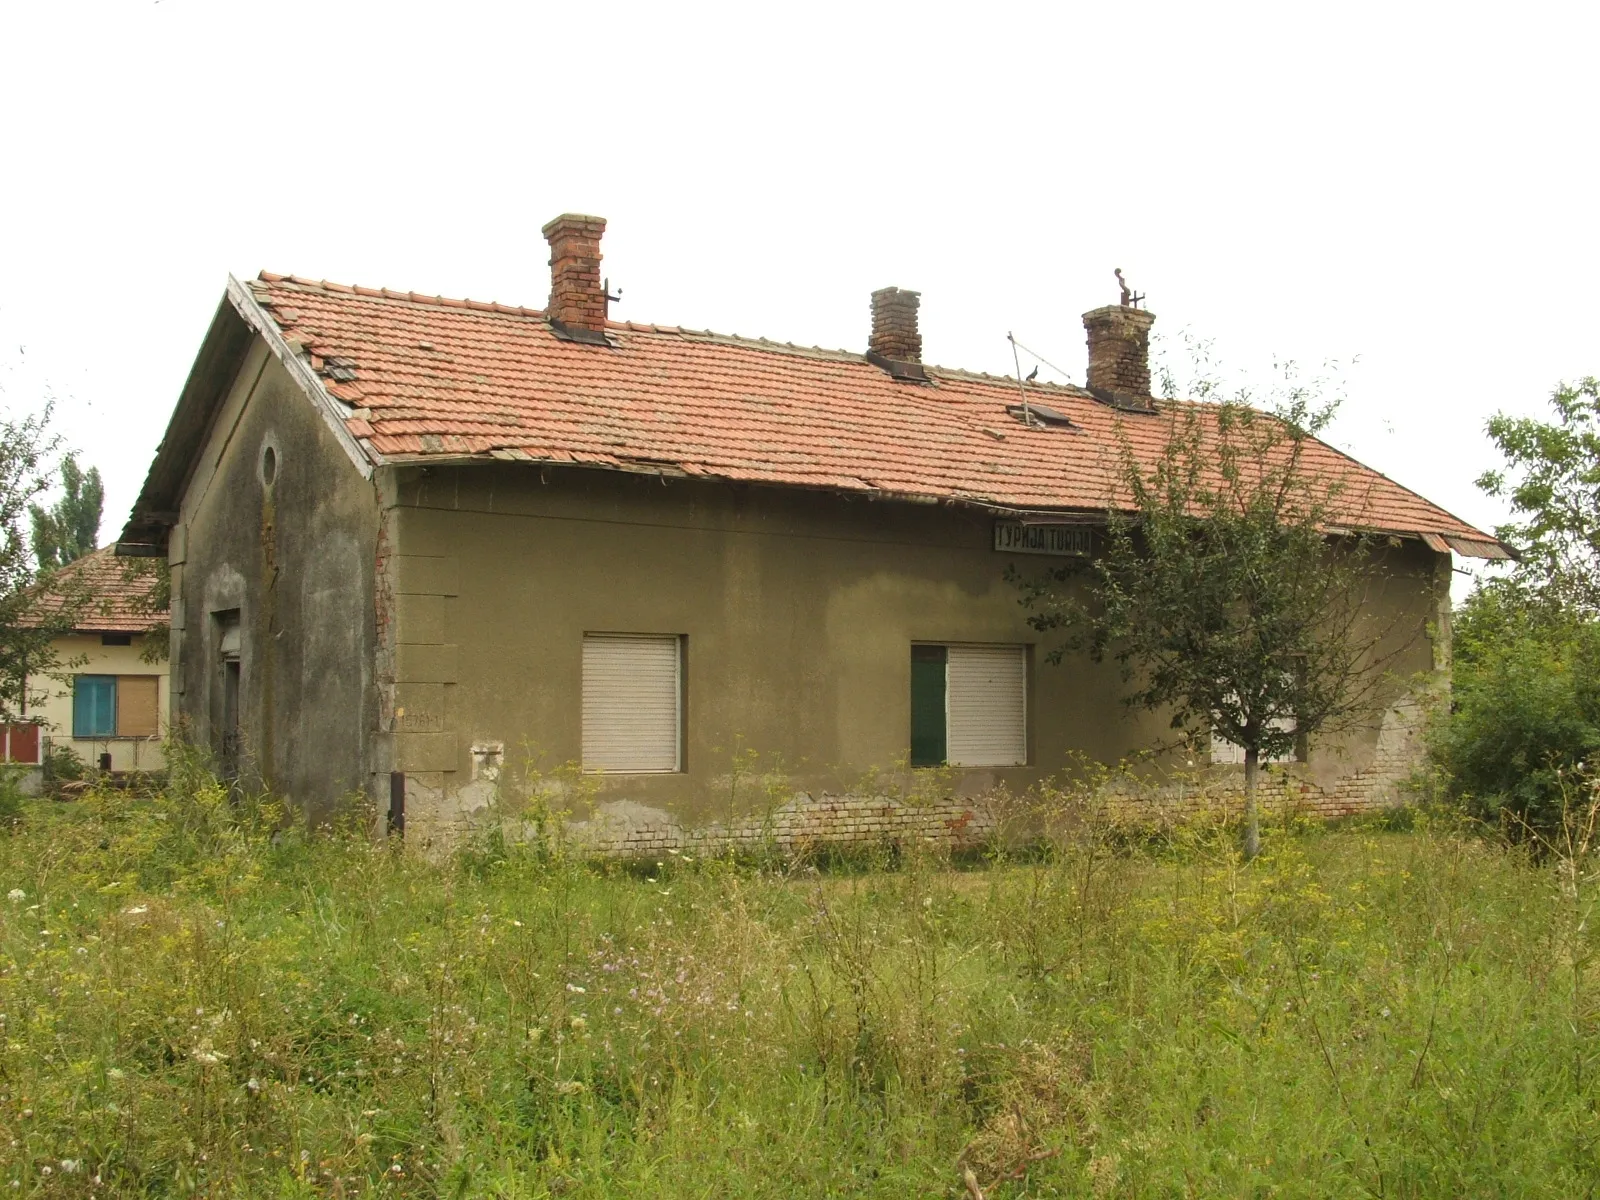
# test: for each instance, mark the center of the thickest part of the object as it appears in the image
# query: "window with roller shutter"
(969, 705)
(632, 702)
(120, 706)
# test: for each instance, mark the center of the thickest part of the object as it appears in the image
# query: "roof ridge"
(630, 326)
(350, 289)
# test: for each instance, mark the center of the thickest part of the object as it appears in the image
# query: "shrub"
(11, 797)
(1526, 707)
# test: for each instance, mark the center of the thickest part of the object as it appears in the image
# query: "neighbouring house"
(417, 541)
(104, 701)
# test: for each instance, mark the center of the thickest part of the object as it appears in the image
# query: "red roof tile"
(427, 377)
(109, 594)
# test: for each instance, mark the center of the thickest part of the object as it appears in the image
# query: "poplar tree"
(70, 527)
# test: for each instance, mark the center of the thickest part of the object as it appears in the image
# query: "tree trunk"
(1252, 821)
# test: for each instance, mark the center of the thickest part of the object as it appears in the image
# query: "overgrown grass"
(199, 1002)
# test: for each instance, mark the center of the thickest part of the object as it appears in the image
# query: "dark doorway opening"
(227, 734)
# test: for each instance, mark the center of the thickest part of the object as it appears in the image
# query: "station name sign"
(1066, 541)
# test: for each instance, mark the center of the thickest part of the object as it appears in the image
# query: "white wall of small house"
(83, 654)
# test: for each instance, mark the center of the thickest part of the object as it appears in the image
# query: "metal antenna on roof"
(1027, 413)
(605, 290)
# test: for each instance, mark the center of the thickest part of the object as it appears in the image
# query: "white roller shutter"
(986, 700)
(631, 702)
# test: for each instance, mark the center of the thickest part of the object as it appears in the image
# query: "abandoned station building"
(414, 540)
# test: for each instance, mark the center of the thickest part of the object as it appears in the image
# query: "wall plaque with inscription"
(1066, 541)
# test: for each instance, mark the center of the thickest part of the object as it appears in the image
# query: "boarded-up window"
(969, 705)
(138, 706)
(632, 702)
(1224, 751)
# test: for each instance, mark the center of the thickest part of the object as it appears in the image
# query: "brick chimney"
(894, 325)
(1119, 354)
(577, 295)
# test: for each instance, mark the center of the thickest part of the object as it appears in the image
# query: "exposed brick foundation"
(633, 831)
(624, 829)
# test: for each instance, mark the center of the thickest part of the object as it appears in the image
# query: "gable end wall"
(296, 560)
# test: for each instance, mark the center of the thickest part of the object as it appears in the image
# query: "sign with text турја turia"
(1067, 541)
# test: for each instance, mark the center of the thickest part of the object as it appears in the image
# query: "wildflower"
(205, 1056)
(252, 1085)
(1384, 1013)
(16, 895)
(578, 1024)
(69, 1166)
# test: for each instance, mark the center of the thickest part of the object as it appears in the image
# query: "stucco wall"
(799, 610)
(83, 654)
(295, 558)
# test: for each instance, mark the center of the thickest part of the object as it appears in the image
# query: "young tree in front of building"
(70, 527)
(26, 653)
(1225, 589)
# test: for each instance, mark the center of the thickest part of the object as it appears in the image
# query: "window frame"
(80, 723)
(680, 643)
(116, 710)
(1025, 712)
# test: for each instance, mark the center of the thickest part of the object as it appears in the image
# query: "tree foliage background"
(26, 448)
(1525, 716)
(69, 528)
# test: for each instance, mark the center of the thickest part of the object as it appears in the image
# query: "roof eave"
(364, 457)
(238, 320)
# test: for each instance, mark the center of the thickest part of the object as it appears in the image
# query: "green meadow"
(201, 999)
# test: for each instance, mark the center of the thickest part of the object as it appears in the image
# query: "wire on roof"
(1027, 417)
(1016, 345)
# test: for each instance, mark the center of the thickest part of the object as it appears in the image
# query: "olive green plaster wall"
(799, 611)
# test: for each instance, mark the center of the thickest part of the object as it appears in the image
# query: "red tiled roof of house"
(106, 594)
(426, 377)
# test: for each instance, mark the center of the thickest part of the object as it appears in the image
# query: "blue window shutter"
(94, 706)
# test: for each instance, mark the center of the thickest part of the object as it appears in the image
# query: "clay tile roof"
(109, 594)
(429, 377)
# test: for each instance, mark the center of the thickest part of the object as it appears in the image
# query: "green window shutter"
(94, 706)
(928, 705)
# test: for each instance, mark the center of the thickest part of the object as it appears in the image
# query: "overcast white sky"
(1409, 184)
